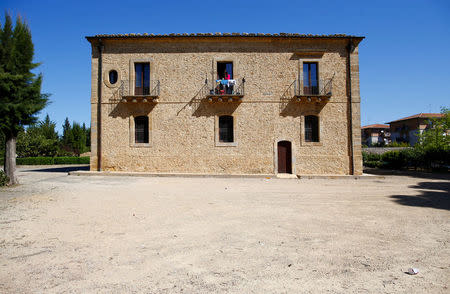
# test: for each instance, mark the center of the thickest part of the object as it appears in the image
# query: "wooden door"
(284, 157)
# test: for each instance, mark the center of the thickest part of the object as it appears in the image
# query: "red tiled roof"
(420, 115)
(376, 126)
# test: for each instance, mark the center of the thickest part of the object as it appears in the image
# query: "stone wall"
(183, 124)
(381, 150)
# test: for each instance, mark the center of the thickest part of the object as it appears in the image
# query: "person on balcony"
(228, 83)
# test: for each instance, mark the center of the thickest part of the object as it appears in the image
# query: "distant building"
(408, 128)
(374, 134)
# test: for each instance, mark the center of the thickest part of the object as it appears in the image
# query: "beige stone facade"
(183, 135)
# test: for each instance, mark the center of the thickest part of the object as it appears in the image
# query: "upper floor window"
(113, 76)
(141, 129)
(142, 78)
(311, 128)
(225, 70)
(310, 78)
(226, 129)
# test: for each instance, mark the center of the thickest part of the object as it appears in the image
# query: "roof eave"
(356, 39)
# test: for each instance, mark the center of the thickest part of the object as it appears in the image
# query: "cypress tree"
(47, 128)
(79, 139)
(20, 89)
(67, 136)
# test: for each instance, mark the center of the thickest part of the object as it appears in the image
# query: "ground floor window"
(311, 128)
(141, 129)
(226, 134)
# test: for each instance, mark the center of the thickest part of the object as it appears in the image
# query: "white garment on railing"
(228, 82)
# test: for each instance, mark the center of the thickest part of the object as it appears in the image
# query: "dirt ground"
(76, 234)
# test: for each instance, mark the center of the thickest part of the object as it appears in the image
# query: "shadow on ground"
(432, 194)
(60, 169)
(407, 173)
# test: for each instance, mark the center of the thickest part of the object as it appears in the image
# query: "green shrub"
(52, 160)
(3, 178)
(34, 160)
(71, 160)
(372, 160)
(394, 159)
(398, 144)
(413, 157)
(84, 160)
(436, 156)
(377, 164)
(371, 156)
(64, 153)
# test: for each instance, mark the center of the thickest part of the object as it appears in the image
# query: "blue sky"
(404, 60)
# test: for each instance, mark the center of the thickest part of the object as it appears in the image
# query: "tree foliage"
(75, 138)
(437, 136)
(20, 89)
(40, 139)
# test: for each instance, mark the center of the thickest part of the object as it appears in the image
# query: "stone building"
(226, 103)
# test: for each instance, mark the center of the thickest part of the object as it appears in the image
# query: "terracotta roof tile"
(218, 34)
(420, 115)
(376, 126)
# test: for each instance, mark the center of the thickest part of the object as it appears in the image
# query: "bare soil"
(61, 233)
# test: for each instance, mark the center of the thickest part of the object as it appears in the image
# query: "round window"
(113, 76)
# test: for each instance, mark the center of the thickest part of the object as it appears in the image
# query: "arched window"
(311, 128)
(226, 129)
(141, 129)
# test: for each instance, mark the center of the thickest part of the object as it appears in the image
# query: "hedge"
(52, 160)
(424, 158)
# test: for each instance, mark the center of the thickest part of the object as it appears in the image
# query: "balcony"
(320, 90)
(225, 90)
(146, 94)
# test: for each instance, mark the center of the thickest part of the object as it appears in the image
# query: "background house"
(375, 134)
(408, 128)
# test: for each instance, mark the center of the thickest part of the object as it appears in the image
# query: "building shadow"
(126, 110)
(407, 173)
(296, 109)
(63, 169)
(206, 108)
(432, 194)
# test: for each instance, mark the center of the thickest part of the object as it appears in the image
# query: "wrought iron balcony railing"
(148, 91)
(319, 88)
(225, 88)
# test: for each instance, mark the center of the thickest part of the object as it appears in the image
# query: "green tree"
(48, 128)
(67, 136)
(437, 134)
(88, 138)
(79, 139)
(39, 139)
(2, 146)
(20, 89)
(32, 142)
(87, 132)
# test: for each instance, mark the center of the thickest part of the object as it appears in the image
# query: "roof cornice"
(223, 35)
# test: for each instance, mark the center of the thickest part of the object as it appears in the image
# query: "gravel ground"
(75, 234)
